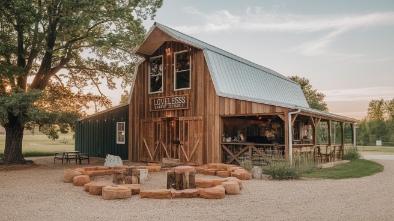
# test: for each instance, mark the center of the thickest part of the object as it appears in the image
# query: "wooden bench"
(83, 156)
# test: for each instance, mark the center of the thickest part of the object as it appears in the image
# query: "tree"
(314, 98)
(124, 97)
(377, 109)
(63, 47)
(390, 108)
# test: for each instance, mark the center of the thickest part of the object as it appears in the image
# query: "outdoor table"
(67, 155)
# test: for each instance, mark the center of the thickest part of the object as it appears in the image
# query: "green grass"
(354, 169)
(41, 145)
(375, 150)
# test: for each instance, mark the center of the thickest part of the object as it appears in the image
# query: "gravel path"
(40, 194)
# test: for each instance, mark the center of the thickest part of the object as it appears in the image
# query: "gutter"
(291, 135)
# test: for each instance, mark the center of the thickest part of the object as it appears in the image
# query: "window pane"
(182, 72)
(120, 134)
(183, 79)
(156, 74)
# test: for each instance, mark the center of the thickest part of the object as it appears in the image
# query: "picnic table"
(70, 155)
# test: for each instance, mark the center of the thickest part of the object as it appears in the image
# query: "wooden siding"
(203, 102)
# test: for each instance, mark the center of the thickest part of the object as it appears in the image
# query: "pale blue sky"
(345, 48)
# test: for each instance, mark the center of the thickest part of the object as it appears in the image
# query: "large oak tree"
(62, 47)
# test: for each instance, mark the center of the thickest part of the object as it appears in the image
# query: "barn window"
(156, 74)
(120, 132)
(182, 70)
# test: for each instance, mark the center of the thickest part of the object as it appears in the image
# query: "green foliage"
(351, 154)
(20, 104)
(377, 109)
(354, 169)
(314, 98)
(247, 165)
(67, 48)
(281, 171)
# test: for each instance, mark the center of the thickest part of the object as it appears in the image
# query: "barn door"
(190, 140)
(169, 137)
(150, 140)
(177, 138)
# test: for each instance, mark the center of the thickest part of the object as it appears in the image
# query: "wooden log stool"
(81, 180)
(96, 188)
(181, 177)
(231, 187)
(116, 192)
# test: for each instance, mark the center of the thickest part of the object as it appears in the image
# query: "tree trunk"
(13, 141)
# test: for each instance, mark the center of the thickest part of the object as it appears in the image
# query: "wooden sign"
(169, 103)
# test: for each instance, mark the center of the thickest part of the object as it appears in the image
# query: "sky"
(344, 47)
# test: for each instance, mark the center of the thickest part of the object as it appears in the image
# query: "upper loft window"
(182, 70)
(156, 74)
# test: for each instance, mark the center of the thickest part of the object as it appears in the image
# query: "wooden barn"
(199, 104)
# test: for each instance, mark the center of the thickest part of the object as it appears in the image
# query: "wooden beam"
(165, 149)
(293, 118)
(147, 148)
(281, 116)
(195, 147)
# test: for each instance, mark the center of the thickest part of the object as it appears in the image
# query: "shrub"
(247, 165)
(351, 154)
(281, 171)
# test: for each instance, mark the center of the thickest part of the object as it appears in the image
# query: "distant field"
(376, 150)
(41, 143)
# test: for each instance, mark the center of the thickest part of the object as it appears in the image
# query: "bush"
(247, 165)
(351, 154)
(281, 171)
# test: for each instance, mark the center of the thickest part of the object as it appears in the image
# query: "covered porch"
(290, 136)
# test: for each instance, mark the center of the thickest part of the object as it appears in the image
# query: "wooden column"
(342, 150)
(329, 133)
(286, 136)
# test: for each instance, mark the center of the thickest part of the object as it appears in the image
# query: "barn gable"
(232, 76)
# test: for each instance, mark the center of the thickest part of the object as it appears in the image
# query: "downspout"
(291, 135)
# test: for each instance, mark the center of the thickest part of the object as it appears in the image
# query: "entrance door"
(177, 138)
(170, 137)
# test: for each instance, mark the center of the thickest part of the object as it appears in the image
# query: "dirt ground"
(37, 192)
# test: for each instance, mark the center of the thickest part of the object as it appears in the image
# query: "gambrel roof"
(232, 76)
(235, 77)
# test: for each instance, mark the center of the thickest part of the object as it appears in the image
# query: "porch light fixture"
(168, 51)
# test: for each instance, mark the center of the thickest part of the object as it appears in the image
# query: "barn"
(198, 104)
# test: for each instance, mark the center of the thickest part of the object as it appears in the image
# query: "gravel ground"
(38, 193)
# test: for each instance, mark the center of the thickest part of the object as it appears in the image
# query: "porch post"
(286, 120)
(342, 140)
(329, 133)
(354, 129)
(290, 126)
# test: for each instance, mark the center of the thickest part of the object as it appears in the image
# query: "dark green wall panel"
(96, 135)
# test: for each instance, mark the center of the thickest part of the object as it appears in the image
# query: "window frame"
(149, 75)
(117, 132)
(175, 71)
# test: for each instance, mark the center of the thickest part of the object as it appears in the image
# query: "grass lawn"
(40, 144)
(375, 150)
(354, 169)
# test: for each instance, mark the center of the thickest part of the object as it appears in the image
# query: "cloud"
(360, 94)
(258, 20)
